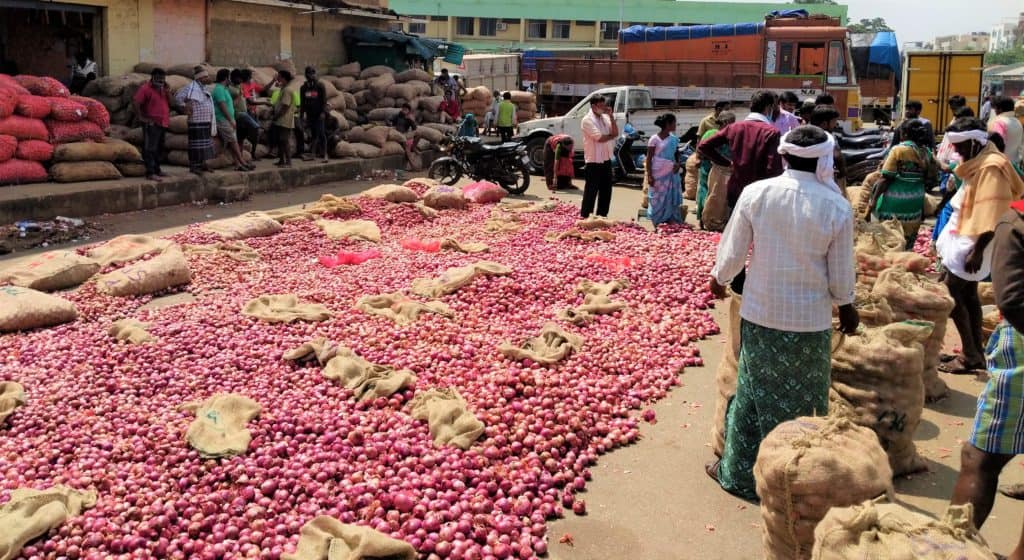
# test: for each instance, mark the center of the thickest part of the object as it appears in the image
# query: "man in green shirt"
(284, 118)
(248, 128)
(224, 112)
(506, 117)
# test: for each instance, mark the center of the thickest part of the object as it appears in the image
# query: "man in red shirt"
(152, 103)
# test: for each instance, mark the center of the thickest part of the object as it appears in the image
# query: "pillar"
(450, 29)
(146, 40)
(522, 30)
(597, 34)
(286, 36)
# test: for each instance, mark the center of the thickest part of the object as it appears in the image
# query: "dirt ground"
(652, 500)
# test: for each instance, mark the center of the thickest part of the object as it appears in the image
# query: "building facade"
(43, 37)
(483, 26)
(974, 41)
(1007, 35)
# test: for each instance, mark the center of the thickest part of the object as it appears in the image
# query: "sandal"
(957, 366)
(948, 357)
(1014, 491)
(711, 469)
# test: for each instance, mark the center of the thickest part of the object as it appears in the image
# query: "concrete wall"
(323, 49)
(179, 32)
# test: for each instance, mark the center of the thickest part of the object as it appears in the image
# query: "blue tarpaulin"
(885, 51)
(644, 34)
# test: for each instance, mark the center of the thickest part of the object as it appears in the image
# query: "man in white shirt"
(599, 134)
(801, 230)
(83, 72)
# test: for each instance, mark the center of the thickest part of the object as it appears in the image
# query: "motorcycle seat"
(859, 133)
(854, 156)
(861, 142)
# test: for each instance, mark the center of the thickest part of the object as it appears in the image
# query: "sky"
(922, 20)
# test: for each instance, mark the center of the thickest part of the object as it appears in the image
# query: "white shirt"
(84, 70)
(802, 261)
(954, 248)
(594, 127)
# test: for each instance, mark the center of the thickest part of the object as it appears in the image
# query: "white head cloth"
(754, 116)
(823, 152)
(979, 136)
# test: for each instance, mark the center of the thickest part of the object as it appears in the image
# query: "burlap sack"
(379, 85)
(111, 149)
(502, 223)
(440, 197)
(32, 513)
(449, 420)
(860, 198)
(725, 375)
(550, 346)
(450, 244)
(455, 278)
(350, 229)
(131, 331)
(327, 205)
(874, 310)
(219, 428)
(366, 380)
(989, 321)
(373, 135)
(285, 309)
(879, 238)
(126, 248)
(521, 97)
(595, 222)
(596, 301)
(80, 171)
(22, 309)
(425, 211)
(986, 294)
(581, 235)
(166, 270)
(876, 382)
(430, 134)
(319, 349)
(326, 538)
(869, 266)
(691, 182)
(234, 250)
(524, 207)
(399, 308)
(392, 193)
(12, 395)
(352, 69)
(806, 467)
(51, 271)
(878, 530)
(364, 151)
(716, 206)
(915, 296)
(250, 224)
(131, 169)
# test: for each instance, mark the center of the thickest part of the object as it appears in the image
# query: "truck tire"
(535, 149)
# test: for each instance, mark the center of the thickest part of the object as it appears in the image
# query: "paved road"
(652, 500)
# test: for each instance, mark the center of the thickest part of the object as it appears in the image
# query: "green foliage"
(1009, 56)
(865, 25)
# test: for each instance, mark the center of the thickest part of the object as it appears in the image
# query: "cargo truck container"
(932, 77)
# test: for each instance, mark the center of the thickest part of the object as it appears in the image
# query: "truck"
(499, 72)
(876, 64)
(932, 77)
(697, 65)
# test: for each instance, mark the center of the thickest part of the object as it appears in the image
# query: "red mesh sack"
(68, 110)
(8, 145)
(34, 150)
(62, 132)
(24, 128)
(43, 86)
(8, 101)
(17, 171)
(98, 113)
(8, 82)
(32, 107)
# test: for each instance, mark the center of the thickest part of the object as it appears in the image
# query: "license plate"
(525, 159)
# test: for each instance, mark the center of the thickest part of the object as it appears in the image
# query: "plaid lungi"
(200, 144)
(999, 420)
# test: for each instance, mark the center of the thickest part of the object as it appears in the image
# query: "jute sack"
(352, 69)
(869, 265)
(126, 248)
(366, 380)
(284, 309)
(986, 294)
(596, 301)
(79, 171)
(588, 236)
(250, 224)
(440, 197)
(989, 321)
(860, 198)
(878, 530)
(874, 310)
(550, 346)
(32, 513)
(455, 278)
(400, 308)
(595, 222)
(326, 538)
(915, 296)
(373, 135)
(879, 238)
(365, 151)
(163, 271)
(219, 428)
(392, 193)
(725, 375)
(806, 467)
(51, 271)
(236, 251)
(449, 420)
(876, 382)
(23, 309)
(12, 395)
(350, 229)
(691, 181)
(716, 205)
(452, 244)
(131, 331)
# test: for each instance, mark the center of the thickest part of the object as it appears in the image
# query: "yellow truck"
(932, 77)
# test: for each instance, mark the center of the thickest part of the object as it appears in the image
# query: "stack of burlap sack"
(376, 94)
(477, 100)
(526, 105)
(109, 158)
(176, 144)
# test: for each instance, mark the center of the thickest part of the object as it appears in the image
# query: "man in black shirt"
(314, 111)
(405, 123)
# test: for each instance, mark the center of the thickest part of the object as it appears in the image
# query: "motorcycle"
(505, 164)
(630, 154)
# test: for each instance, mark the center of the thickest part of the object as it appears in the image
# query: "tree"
(1008, 56)
(865, 25)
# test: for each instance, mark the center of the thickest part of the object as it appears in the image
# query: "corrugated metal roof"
(609, 10)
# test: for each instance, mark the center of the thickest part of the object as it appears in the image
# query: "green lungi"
(781, 376)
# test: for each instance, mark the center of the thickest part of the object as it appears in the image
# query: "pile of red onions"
(104, 415)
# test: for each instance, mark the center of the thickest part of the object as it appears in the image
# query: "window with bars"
(537, 29)
(610, 31)
(560, 29)
(418, 28)
(488, 27)
(464, 26)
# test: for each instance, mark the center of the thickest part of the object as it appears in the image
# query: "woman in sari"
(908, 172)
(724, 119)
(665, 193)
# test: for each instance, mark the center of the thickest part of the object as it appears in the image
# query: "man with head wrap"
(802, 231)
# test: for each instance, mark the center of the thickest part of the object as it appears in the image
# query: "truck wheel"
(535, 149)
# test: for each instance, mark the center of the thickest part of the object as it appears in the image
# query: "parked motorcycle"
(505, 164)
(630, 154)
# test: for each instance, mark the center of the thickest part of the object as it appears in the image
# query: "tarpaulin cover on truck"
(645, 34)
(873, 52)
